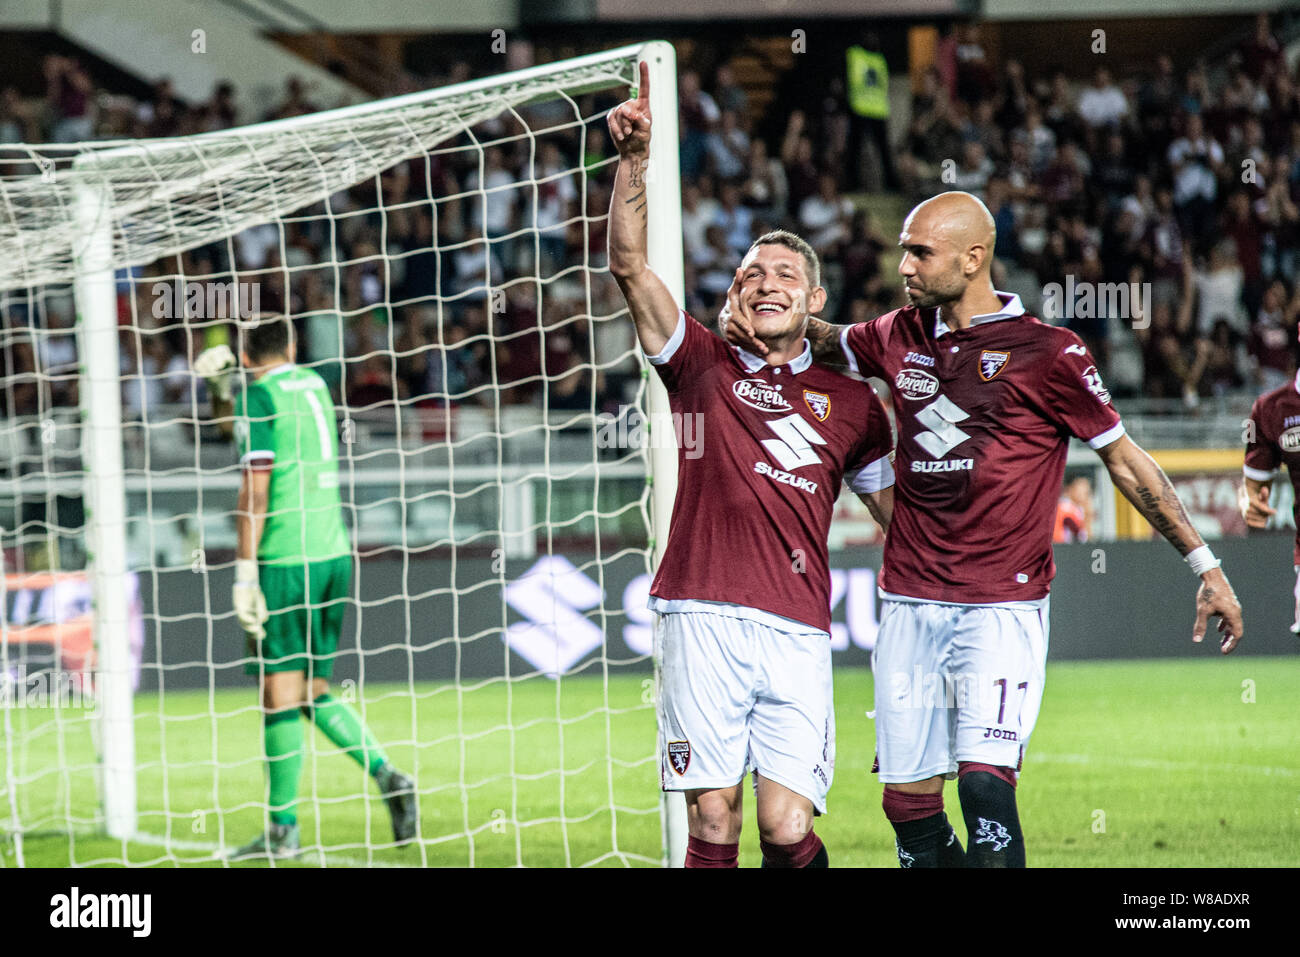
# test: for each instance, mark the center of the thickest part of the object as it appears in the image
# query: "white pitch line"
(1155, 764)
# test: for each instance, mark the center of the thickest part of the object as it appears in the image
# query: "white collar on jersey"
(1011, 308)
(753, 363)
(276, 370)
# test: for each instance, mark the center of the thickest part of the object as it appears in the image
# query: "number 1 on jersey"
(322, 427)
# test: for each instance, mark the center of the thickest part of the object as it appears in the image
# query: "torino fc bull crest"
(819, 404)
(991, 363)
(679, 755)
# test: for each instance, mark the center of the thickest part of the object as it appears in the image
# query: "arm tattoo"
(1165, 512)
(825, 341)
(636, 180)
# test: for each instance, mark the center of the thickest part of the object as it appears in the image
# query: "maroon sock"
(791, 855)
(700, 853)
(901, 807)
(970, 767)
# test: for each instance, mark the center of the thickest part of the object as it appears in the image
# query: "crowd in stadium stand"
(1163, 178)
(1179, 180)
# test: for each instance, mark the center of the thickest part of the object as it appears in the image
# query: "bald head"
(947, 249)
(959, 218)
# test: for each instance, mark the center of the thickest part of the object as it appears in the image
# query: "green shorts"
(306, 605)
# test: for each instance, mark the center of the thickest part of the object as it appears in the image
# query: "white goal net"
(442, 259)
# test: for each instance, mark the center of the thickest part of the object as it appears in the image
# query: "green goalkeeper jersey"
(285, 421)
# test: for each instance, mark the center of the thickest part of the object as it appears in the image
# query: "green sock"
(344, 727)
(282, 732)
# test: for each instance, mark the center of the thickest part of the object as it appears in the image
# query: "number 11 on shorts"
(1002, 702)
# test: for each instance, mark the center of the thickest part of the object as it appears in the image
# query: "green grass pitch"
(1143, 763)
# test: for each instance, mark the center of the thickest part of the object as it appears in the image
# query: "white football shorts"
(956, 683)
(737, 695)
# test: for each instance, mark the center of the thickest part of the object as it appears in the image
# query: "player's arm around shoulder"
(1263, 456)
(653, 309)
(881, 506)
(872, 476)
(1144, 483)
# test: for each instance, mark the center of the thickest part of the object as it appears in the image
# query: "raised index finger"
(643, 93)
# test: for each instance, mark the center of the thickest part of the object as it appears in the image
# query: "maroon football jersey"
(984, 417)
(1276, 420)
(756, 494)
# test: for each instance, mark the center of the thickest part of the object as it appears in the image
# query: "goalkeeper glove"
(247, 597)
(216, 366)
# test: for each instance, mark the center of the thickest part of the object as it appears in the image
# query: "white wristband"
(246, 571)
(1202, 560)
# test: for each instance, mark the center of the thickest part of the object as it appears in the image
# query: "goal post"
(443, 467)
(664, 255)
(105, 505)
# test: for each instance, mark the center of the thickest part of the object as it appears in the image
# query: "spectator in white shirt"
(1102, 103)
(824, 216)
(1197, 162)
(698, 213)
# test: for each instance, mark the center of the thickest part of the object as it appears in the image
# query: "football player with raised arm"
(293, 571)
(743, 590)
(986, 398)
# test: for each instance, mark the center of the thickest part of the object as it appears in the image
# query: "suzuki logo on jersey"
(819, 404)
(915, 384)
(794, 445)
(785, 478)
(940, 417)
(919, 359)
(793, 448)
(947, 465)
(991, 363)
(1092, 379)
(758, 394)
(1290, 440)
(1076, 350)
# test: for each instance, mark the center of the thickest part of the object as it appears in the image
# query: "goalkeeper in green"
(293, 570)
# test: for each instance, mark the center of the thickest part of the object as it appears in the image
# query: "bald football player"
(986, 398)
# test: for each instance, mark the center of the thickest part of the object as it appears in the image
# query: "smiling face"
(777, 293)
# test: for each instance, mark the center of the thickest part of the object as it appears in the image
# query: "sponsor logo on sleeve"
(760, 395)
(1092, 379)
(991, 363)
(819, 404)
(915, 384)
(679, 755)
